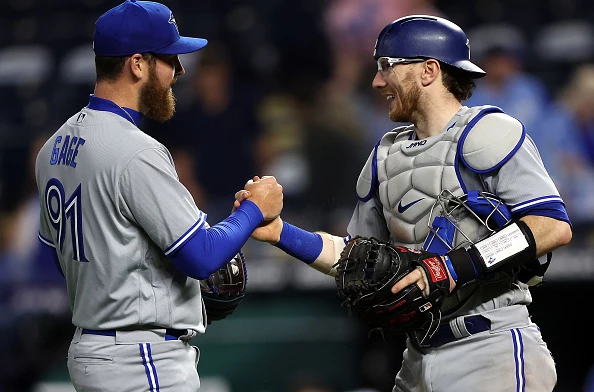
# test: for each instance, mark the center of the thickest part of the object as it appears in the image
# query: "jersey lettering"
(60, 211)
(64, 151)
(81, 141)
(71, 150)
(66, 154)
(55, 151)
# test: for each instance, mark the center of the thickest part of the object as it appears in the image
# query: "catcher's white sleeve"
(332, 247)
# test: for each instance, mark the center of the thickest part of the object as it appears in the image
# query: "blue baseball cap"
(141, 27)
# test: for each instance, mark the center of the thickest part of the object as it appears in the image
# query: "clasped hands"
(267, 194)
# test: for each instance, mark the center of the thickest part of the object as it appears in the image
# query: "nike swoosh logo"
(402, 208)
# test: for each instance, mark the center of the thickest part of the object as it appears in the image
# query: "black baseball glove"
(224, 289)
(367, 270)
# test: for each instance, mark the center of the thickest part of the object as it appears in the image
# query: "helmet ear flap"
(456, 221)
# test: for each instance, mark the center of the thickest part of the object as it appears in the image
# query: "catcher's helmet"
(423, 36)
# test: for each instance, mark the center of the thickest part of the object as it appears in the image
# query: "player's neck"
(434, 116)
(118, 94)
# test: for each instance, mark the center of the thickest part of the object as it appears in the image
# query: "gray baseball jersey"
(105, 189)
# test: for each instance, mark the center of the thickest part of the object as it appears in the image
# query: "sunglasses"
(384, 64)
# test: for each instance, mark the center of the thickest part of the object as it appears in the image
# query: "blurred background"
(284, 89)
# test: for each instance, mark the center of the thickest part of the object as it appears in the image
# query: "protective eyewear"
(384, 64)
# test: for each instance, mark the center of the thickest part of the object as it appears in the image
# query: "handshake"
(224, 289)
(267, 194)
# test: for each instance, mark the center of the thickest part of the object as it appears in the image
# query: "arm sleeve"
(211, 248)
(46, 252)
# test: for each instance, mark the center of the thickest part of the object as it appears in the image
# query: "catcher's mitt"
(224, 289)
(367, 270)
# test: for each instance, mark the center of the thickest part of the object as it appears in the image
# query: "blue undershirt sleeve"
(46, 253)
(211, 248)
(300, 243)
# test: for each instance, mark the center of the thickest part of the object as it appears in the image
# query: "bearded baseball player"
(454, 211)
(126, 234)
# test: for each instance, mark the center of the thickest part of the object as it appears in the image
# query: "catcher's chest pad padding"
(412, 173)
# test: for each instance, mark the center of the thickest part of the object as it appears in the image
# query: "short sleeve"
(151, 195)
(523, 182)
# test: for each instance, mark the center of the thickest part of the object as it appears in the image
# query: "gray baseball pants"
(511, 356)
(132, 361)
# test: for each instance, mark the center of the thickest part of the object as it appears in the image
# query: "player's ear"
(137, 65)
(431, 69)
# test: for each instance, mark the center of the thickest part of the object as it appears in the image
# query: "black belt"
(170, 334)
(446, 334)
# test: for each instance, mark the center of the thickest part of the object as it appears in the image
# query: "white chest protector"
(408, 174)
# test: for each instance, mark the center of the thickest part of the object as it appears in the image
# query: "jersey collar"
(106, 105)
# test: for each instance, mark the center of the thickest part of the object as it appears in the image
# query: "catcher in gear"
(476, 333)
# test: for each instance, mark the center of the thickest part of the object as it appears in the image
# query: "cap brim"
(183, 45)
(469, 66)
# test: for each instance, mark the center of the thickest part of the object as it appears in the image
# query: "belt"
(457, 328)
(170, 334)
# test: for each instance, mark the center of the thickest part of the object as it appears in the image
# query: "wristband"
(463, 265)
(509, 247)
(300, 243)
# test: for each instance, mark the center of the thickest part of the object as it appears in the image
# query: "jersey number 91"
(61, 212)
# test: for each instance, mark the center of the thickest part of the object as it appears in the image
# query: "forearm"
(319, 250)
(332, 246)
(210, 248)
(512, 246)
(549, 233)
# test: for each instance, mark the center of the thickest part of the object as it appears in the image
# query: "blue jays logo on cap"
(141, 27)
(172, 21)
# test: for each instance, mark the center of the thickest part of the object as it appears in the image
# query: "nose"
(378, 81)
(179, 68)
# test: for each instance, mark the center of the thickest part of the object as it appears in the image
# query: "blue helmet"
(427, 36)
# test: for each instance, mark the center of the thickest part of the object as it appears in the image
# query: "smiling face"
(398, 85)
